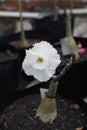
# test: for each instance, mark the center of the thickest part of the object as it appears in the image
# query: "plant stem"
(71, 43)
(67, 66)
(52, 89)
(47, 110)
(71, 7)
(55, 10)
(54, 82)
(24, 42)
(68, 25)
(64, 6)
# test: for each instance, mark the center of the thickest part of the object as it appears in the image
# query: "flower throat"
(40, 60)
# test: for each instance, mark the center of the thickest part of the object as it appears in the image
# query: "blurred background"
(37, 9)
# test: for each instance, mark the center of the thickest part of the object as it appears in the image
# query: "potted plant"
(23, 112)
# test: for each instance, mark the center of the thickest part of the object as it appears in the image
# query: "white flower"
(41, 61)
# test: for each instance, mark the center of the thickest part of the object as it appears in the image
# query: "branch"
(67, 66)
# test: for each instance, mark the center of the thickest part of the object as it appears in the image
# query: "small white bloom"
(41, 61)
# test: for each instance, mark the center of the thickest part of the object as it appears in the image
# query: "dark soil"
(19, 115)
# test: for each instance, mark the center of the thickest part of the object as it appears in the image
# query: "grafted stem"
(47, 111)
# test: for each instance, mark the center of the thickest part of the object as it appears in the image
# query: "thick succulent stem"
(47, 111)
(24, 43)
(52, 89)
(71, 43)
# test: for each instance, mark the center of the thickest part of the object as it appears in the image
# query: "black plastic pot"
(55, 29)
(10, 67)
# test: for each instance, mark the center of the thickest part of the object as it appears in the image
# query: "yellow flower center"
(40, 60)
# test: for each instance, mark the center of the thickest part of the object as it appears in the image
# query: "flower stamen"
(40, 60)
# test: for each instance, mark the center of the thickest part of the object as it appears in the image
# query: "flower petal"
(41, 61)
(42, 75)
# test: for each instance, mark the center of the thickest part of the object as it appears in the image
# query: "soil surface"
(19, 115)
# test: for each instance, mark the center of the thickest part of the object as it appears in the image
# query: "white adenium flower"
(41, 61)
